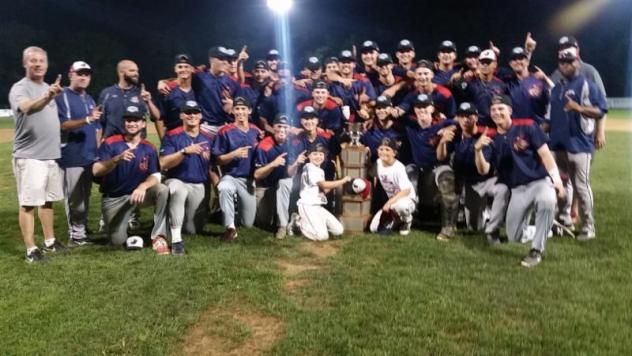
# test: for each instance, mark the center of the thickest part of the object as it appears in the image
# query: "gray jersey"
(588, 71)
(37, 136)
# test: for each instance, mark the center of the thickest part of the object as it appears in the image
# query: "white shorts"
(38, 181)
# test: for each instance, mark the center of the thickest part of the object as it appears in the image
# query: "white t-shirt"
(394, 179)
(310, 192)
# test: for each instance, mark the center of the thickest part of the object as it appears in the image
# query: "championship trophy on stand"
(356, 199)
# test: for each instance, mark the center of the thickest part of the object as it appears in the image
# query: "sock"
(231, 226)
(176, 234)
(30, 249)
(49, 241)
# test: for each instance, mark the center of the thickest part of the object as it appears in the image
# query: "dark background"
(151, 32)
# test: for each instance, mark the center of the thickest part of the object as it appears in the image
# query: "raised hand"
(144, 93)
(280, 160)
(571, 105)
(55, 88)
(127, 155)
(483, 141)
(529, 43)
(242, 152)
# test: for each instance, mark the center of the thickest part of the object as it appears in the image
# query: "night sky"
(151, 32)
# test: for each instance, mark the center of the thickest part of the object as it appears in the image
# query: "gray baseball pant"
(540, 196)
(77, 189)
(476, 200)
(577, 167)
(116, 213)
(229, 186)
(186, 210)
(274, 199)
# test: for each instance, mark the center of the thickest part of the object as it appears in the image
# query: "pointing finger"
(58, 80)
(142, 87)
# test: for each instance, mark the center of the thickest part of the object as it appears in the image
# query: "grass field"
(360, 295)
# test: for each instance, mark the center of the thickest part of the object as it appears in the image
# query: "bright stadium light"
(279, 6)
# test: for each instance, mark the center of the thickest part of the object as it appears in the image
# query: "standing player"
(80, 136)
(446, 66)
(185, 155)
(523, 161)
(35, 151)
(355, 90)
(234, 149)
(576, 107)
(329, 113)
(529, 94)
(182, 92)
(381, 127)
(131, 177)
(484, 86)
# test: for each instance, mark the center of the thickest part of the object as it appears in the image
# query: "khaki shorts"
(38, 181)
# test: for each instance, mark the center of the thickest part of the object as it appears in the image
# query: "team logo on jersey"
(134, 99)
(535, 90)
(144, 164)
(519, 144)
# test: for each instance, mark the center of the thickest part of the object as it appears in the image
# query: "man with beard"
(329, 113)
(171, 103)
(446, 66)
(185, 155)
(131, 178)
(273, 59)
(274, 184)
(255, 89)
(81, 133)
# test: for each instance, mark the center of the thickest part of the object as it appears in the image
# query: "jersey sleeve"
(168, 146)
(597, 98)
(17, 95)
(406, 103)
(261, 159)
(105, 152)
(221, 145)
(62, 109)
(538, 138)
(154, 164)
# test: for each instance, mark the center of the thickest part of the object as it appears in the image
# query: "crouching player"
(402, 199)
(524, 162)
(185, 155)
(316, 222)
(131, 177)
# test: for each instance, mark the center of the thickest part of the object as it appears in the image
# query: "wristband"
(88, 120)
(555, 175)
(183, 151)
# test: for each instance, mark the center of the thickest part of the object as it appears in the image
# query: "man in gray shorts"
(36, 147)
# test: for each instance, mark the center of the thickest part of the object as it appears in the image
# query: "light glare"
(279, 6)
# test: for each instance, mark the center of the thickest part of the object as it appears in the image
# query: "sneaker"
(73, 242)
(35, 257)
(177, 248)
(159, 244)
(294, 224)
(230, 234)
(55, 247)
(446, 233)
(493, 238)
(281, 233)
(405, 229)
(560, 229)
(532, 259)
(587, 233)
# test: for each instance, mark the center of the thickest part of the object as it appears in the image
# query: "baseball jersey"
(399, 96)
(588, 71)
(330, 115)
(36, 135)
(529, 96)
(267, 151)
(255, 97)
(570, 131)
(229, 138)
(463, 160)
(423, 142)
(372, 138)
(274, 104)
(480, 93)
(515, 153)
(350, 95)
(442, 77)
(78, 146)
(126, 176)
(208, 90)
(194, 167)
(310, 191)
(441, 97)
(301, 142)
(169, 106)
(114, 100)
(394, 179)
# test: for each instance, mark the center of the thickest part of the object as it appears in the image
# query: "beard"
(130, 80)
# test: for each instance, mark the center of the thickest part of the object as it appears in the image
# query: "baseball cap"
(313, 63)
(422, 100)
(317, 147)
(80, 66)
(467, 109)
(361, 186)
(231, 54)
(405, 45)
(384, 59)
(447, 46)
(332, 60)
(273, 54)
(568, 54)
(383, 101)
(386, 141)
(218, 52)
(319, 84)
(308, 112)
(518, 53)
(133, 113)
(281, 119)
(369, 46)
(346, 56)
(190, 106)
(261, 64)
(134, 243)
(424, 63)
(567, 41)
(487, 54)
(472, 51)
(241, 101)
(183, 58)
(501, 99)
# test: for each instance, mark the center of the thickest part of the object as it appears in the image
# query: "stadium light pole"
(281, 8)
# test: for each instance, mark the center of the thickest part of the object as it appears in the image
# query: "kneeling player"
(402, 199)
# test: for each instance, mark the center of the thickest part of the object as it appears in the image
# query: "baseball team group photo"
(315, 179)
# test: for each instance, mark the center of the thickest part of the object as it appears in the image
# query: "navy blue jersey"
(127, 176)
(350, 95)
(114, 101)
(529, 96)
(194, 167)
(267, 151)
(423, 142)
(273, 104)
(229, 138)
(78, 146)
(330, 116)
(441, 97)
(480, 93)
(372, 138)
(464, 163)
(169, 106)
(300, 143)
(208, 92)
(515, 153)
(255, 97)
(443, 77)
(569, 130)
(399, 96)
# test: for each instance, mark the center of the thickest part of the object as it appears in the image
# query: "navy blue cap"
(218, 52)
(308, 112)
(273, 54)
(424, 63)
(567, 41)
(405, 45)
(241, 101)
(346, 56)
(447, 46)
(261, 64)
(467, 109)
(183, 58)
(383, 101)
(281, 119)
(473, 51)
(518, 53)
(132, 113)
(320, 84)
(313, 63)
(384, 59)
(369, 46)
(190, 106)
(501, 99)
(422, 100)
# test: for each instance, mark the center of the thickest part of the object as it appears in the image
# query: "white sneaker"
(404, 229)
(294, 224)
(588, 233)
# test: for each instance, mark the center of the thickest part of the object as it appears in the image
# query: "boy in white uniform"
(316, 222)
(402, 199)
